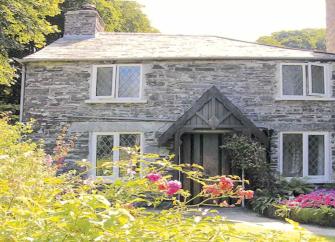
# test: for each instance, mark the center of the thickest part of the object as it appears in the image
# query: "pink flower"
(154, 177)
(173, 187)
(48, 160)
(316, 199)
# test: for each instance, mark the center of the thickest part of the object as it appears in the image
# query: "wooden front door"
(204, 149)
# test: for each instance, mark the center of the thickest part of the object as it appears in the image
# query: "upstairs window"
(301, 80)
(117, 82)
(305, 154)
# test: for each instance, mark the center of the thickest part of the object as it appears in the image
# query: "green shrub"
(324, 216)
(37, 205)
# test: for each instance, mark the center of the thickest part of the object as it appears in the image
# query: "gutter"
(211, 58)
(23, 81)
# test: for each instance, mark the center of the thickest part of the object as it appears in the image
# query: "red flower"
(226, 184)
(214, 190)
(162, 186)
(247, 194)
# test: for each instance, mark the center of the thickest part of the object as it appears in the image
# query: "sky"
(238, 19)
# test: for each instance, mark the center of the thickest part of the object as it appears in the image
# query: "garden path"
(241, 215)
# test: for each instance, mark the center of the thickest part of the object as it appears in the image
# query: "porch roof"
(213, 111)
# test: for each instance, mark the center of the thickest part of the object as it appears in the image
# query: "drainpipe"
(243, 187)
(23, 81)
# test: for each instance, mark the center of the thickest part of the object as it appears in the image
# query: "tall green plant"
(37, 205)
(250, 156)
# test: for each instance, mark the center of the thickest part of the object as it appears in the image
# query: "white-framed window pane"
(292, 155)
(129, 81)
(128, 140)
(292, 80)
(318, 79)
(104, 81)
(104, 155)
(316, 155)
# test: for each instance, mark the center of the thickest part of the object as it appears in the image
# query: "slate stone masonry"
(55, 94)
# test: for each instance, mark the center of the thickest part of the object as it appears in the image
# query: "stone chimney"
(330, 31)
(83, 22)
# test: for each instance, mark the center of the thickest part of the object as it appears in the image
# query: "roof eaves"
(26, 60)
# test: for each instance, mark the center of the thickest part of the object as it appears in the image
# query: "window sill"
(311, 179)
(305, 98)
(112, 100)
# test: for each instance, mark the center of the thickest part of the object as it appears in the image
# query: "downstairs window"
(305, 154)
(105, 156)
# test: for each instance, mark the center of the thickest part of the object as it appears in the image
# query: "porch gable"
(213, 111)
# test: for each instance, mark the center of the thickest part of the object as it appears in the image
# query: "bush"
(282, 189)
(320, 216)
(37, 205)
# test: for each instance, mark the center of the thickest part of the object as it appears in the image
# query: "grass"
(297, 234)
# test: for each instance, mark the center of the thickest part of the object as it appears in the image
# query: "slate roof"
(143, 46)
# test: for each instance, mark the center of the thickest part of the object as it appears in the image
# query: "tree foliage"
(23, 22)
(302, 39)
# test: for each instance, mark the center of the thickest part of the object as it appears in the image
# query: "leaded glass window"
(316, 155)
(304, 154)
(129, 78)
(317, 79)
(117, 81)
(106, 156)
(104, 81)
(292, 155)
(292, 80)
(128, 141)
(306, 79)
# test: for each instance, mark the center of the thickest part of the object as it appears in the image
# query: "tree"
(302, 39)
(23, 22)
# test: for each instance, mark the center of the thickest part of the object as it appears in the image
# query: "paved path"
(245, 215)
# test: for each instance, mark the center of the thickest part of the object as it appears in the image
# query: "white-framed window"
(305, 155)
(299, 80)
(104, 156)
(118, 82)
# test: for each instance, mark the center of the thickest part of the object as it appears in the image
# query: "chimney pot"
(88, 6)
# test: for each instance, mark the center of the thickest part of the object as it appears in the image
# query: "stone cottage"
(183, 94)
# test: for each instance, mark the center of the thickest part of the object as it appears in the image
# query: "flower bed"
(315, 199)
(317, 207)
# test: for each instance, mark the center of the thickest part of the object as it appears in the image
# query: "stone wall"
(55, 95)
